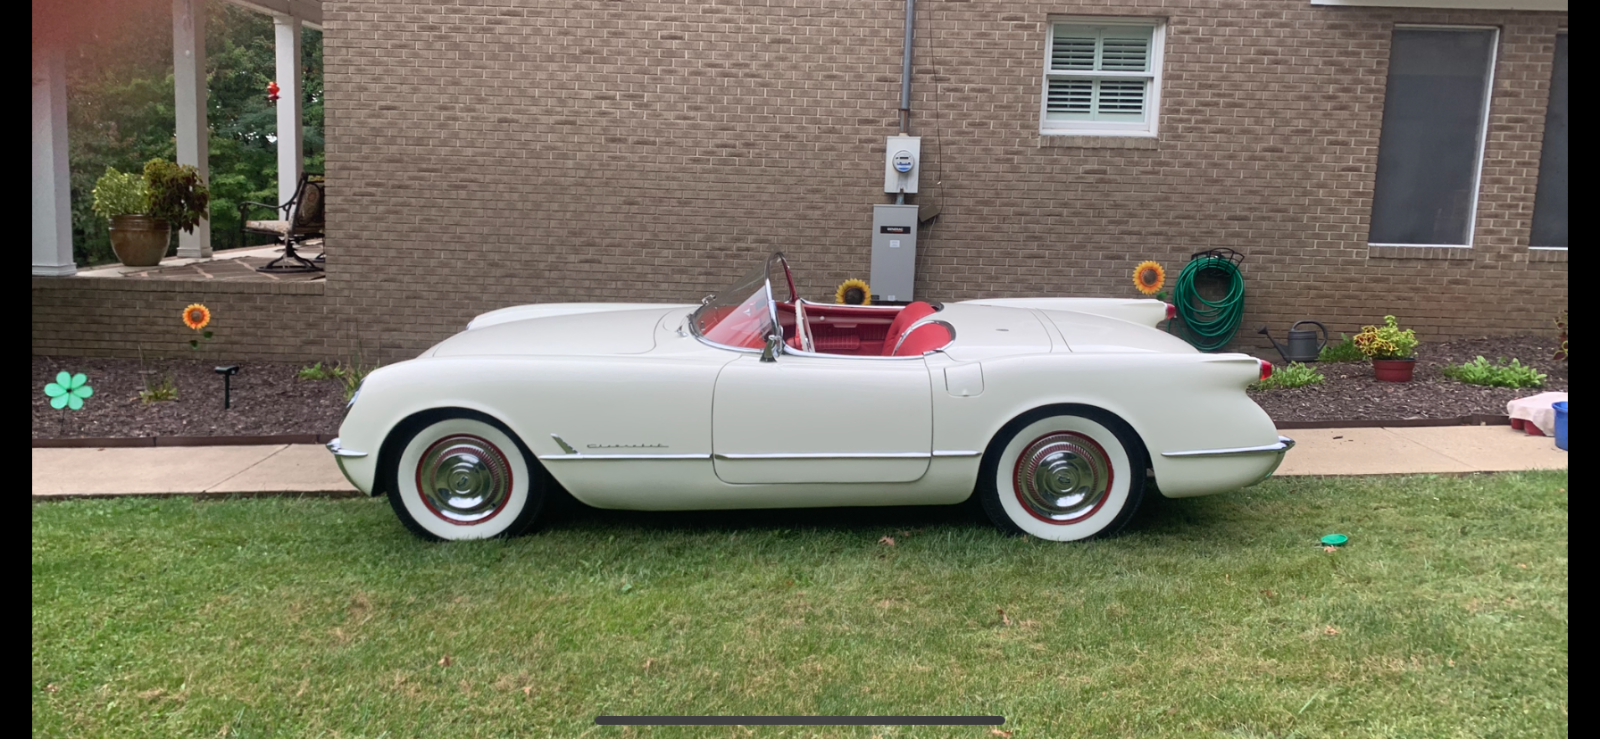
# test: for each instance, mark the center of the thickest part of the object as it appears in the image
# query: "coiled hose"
(1208, 324)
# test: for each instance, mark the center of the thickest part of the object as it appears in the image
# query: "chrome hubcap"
(464, 479)
(1062, 477)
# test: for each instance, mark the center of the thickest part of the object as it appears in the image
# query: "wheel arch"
(394, 441)
(1095, 412)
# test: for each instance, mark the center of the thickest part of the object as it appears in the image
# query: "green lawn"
(1446, 615)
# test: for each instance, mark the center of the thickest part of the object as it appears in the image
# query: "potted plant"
(143, 209)
(1391, 349)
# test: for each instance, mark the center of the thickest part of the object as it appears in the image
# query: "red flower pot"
(1394, 370)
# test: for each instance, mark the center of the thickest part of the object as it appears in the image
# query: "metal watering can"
(1303, 345)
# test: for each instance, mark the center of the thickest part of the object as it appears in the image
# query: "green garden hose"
(1208, 324)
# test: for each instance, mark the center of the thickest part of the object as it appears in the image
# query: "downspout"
(905, 79)
(905, 69)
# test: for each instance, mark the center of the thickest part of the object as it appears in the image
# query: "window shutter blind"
(1083, 50)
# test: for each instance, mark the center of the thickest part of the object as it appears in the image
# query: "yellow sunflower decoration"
(196, 316)
(853, 292)
(1149, 277)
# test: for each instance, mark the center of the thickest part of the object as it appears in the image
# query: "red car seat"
(923, 339)
(908, 315)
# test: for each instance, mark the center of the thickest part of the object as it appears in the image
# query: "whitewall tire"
(1063, 475)
(463, 477)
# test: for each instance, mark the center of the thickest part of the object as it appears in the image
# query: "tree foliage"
(120, 113)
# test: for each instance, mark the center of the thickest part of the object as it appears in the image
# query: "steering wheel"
(802, 328)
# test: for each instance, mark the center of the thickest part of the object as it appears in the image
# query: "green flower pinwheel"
(68, 391)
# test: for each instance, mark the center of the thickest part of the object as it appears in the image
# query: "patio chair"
(302, 219)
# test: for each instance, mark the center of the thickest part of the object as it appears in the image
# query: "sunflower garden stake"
(1149, 277)
(853, 292)
(197, 317)
(68, 393)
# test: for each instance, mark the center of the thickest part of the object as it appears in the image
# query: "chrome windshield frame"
(772, 306)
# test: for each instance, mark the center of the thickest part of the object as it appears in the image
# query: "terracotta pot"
(1394, 370)
(140, 241)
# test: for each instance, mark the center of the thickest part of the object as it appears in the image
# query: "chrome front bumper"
(340, 454)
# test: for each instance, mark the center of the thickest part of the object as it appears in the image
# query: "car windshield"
(741, 315)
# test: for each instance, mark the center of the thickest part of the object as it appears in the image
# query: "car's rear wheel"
(1063, 475)
(463, 477)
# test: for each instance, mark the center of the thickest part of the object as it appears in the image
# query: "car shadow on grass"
(1156, 515)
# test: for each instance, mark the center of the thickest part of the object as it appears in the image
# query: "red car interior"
(853, 330)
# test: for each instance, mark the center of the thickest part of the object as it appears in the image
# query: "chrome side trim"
(565, 447)
(340, 451)
(1284, 444)
(592, 457)
(957, 453)
(828, 455)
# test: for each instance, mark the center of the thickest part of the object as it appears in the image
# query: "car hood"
(614, 329)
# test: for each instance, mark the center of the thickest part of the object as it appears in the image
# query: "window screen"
(1432, 139)
(1550, 205)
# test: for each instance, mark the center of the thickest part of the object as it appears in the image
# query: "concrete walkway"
(307, 469)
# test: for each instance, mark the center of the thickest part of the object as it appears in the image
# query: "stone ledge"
(1442, 253)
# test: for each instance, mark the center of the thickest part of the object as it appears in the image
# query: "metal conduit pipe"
(905, 69)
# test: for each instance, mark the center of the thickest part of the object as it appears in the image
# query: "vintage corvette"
(1056, 412)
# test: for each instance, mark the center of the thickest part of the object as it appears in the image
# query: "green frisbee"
(1335, 540)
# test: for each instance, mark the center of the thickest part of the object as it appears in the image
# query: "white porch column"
(52, 196)
(189, 79)
(291, 152)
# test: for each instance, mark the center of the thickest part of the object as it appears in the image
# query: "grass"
(1446, 615)
(1290, 376)
(315, 373)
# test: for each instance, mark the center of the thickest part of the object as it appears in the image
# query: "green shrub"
(177, 193)
(316, 372)
(120, 194)
(1500, 374)
(160, 390)
(351, 375)
(1292, 376)
(1344, 351)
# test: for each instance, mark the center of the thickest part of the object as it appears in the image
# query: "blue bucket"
(1561, 424)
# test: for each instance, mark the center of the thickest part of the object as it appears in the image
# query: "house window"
(1550, 203)
(1435, 112)
(1102, 78)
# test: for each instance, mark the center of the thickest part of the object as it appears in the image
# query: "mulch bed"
(1351, 393)
(268, 399)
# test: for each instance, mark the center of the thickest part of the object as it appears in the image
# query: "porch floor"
(233, 265)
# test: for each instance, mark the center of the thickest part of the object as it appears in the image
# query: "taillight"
(1266, 369)
(1172, 311)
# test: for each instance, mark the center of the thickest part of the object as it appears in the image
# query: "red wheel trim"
(1111, 478)
(511, 481)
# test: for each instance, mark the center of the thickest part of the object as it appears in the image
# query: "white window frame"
(1146, 129)
(1483, 130)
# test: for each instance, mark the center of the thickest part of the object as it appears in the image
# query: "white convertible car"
(1056, 412)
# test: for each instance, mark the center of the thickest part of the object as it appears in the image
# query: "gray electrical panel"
(894, 252)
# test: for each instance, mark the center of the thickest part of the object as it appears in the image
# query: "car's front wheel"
(1063, 474)
(463, 477)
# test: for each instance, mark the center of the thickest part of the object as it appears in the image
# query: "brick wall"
(111, 317)
(484, 155)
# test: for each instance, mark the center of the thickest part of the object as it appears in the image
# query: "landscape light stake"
(227, 384)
